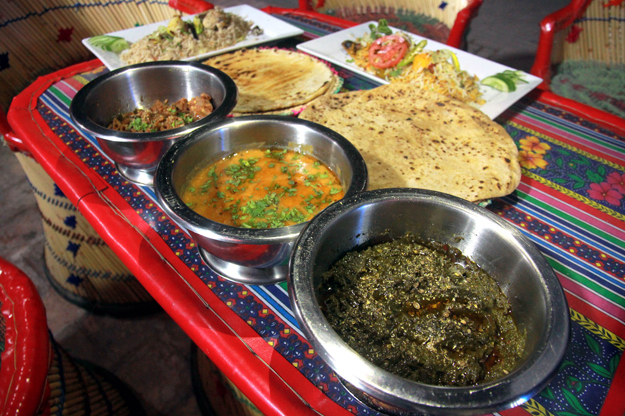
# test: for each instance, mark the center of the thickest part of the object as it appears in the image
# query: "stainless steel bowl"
(136, 155)
(536, 296)
(244, 255)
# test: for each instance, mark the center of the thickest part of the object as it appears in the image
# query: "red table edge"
(602, 118)
(27, 354)
(209, 331)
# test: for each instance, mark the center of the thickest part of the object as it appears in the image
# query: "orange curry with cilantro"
(262, 188)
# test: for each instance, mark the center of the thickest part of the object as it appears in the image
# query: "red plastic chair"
(550, 26)
(27, 355)
(37, 377)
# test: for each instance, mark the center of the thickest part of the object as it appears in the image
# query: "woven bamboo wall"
(41, 36)
(433, 8)
(598, 36)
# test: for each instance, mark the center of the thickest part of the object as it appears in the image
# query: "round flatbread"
(273, 79)
(420, 139)
(335, 85)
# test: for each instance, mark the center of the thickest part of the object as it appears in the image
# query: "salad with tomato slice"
(396, 57)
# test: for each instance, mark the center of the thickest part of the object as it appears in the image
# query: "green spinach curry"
(423, 312)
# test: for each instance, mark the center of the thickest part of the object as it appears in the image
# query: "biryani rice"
(221, 30)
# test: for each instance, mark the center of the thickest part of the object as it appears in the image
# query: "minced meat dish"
(422, 312)
(163, 116)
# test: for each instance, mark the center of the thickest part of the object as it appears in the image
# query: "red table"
(570, 204)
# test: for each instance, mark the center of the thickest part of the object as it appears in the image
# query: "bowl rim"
(497, 395)
(78, 107)
(189, 219)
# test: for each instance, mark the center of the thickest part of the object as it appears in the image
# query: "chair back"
(597, 34)
(24, 343)
(434, 19)
(584, 30)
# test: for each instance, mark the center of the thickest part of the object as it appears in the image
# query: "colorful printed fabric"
(570, 203)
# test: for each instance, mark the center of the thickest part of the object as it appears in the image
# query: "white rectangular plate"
(330, 49)
(273, 29)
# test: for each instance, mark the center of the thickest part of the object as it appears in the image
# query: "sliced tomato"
(387, 51)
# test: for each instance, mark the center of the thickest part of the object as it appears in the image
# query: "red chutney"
(262, 188)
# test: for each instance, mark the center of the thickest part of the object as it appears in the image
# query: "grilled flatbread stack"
(414, 138)
(275, 80)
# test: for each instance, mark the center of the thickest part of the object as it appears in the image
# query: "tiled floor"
(151, 354)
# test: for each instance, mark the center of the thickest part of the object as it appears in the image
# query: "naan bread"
(273, 79)
(420, 139)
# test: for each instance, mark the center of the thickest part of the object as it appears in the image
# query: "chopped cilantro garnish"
(276, 154)
(138, 125)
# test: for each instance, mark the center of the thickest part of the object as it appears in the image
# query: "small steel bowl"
(536, 296)
(136, 155)
(252, 256)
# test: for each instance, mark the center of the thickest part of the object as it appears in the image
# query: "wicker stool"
(36, 375)
(215, 394)
(79, 265)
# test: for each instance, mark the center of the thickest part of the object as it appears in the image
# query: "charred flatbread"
(274, 79)
(411, 137)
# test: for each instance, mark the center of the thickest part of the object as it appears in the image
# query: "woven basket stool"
(79, 265)
(215, 394)
(37, 377)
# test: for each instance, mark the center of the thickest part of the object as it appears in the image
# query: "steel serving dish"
(136, 155)
(254, 256)
(536, 296)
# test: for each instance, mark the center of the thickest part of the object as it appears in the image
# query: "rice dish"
(216, 29)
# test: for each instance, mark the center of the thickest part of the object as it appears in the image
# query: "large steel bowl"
(254, 256)
(136, 155)
(536, 296)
